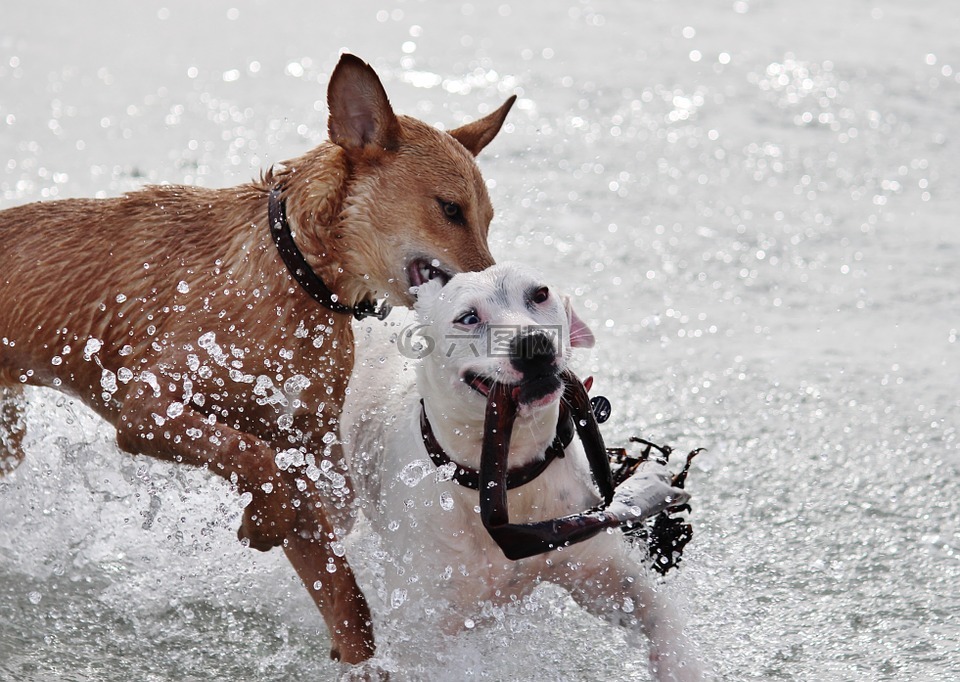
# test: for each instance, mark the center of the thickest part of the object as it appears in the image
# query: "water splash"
(414, 472)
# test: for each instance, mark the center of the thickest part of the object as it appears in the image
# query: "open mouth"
(480, 384)
(420, 271)
(532, 391)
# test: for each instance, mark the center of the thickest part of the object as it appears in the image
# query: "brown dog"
(172, 312)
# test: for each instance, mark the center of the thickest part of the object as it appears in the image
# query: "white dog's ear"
(427, 294)
(580, 334)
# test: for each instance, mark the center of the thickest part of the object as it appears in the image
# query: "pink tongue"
(478, 385)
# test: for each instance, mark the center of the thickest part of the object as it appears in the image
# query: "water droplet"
(397, 597)
(317, 585)
(469, 624)
(183, 287)
(289, 458)
(446, 501)
(415, 472)
(296, 384)
(446, 472)
(207, 340)
(34, 597)
(108, 381)
(91, 348)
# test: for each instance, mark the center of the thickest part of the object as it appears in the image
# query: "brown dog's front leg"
(145, 427)
(272, 518)
(330, 581)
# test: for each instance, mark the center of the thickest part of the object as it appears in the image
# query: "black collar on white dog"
(516, 477)
(304, 274)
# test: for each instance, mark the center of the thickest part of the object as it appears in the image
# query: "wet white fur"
(440, 562)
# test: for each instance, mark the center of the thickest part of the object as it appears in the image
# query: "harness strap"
(516, 477)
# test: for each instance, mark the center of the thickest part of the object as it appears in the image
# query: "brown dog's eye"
(541, 295)
(452, 211)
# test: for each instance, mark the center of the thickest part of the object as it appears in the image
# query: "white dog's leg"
(619, 590)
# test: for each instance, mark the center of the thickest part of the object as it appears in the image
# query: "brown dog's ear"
(360, 113)
(477, 135)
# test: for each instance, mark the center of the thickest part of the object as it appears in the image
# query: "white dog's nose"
(533, 352)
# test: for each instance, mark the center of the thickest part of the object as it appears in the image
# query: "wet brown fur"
(148, 274)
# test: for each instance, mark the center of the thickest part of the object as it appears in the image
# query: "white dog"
(501, 325)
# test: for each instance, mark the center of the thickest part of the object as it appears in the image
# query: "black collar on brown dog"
(516, 477)
(304, 274)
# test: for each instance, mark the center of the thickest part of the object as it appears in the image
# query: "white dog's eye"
(540, 295)
(468, 319)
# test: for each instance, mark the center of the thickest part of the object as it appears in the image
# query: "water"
(754, 205)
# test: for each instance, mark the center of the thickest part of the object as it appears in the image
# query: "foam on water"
(755, 208)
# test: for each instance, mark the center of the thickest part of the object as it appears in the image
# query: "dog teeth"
(423, 272)
(428, 272)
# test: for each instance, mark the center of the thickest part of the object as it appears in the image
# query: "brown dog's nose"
(533, 352)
